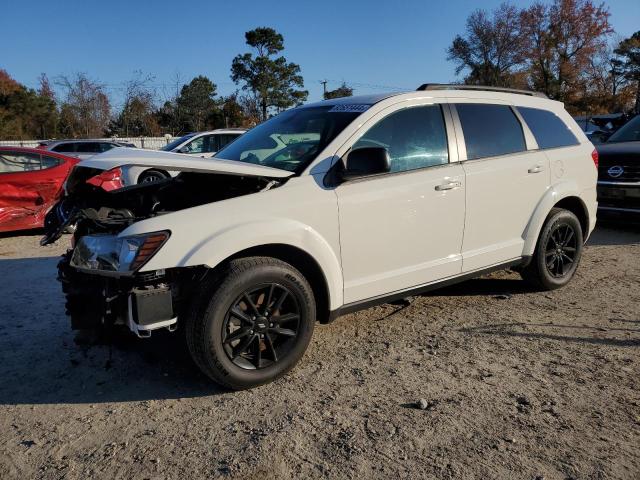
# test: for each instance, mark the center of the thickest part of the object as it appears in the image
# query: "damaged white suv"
(323, 210)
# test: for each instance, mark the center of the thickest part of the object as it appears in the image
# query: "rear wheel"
(152, 176)
(251, 324)
(557, 252)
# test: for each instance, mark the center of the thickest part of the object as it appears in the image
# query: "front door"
(404, 228)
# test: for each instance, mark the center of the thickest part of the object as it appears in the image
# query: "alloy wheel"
(561, 250)
(261, 326)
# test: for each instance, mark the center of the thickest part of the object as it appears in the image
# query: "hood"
(626, 152)
(119, 157)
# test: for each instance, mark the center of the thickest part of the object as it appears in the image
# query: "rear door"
(403, 229)
(506, 176)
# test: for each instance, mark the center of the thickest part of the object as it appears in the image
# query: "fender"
(563, 189)
(222, 244)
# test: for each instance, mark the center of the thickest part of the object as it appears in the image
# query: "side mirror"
(364, 162)
(184, 150)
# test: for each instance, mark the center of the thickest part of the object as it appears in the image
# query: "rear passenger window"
(414, 137)
(547, 128)
(65, 148)
(211, 144)
(490, 130)
(226, 139)
(104, 147)
(89, 147)
(49, 162)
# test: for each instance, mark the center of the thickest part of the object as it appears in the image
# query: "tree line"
(566, 49)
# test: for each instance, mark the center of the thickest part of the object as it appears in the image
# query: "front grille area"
(630, 173)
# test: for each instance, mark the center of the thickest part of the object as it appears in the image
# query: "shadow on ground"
(615, 232)
(543, 332)
(40, 362)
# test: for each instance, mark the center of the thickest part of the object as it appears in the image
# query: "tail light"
(108, 180)
(595, 157)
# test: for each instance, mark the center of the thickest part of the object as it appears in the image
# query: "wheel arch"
(564, 195)
(302, 261)
(152, 169)
(575, 205)
(288, 240)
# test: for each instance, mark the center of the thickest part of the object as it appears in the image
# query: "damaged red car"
(31, 182)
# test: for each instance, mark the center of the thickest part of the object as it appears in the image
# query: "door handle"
(536, 169)
(448, 186)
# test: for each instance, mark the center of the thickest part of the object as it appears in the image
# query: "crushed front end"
(102, 275)
(142, 302)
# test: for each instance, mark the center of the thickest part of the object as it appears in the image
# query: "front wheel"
(251, 324)
(557, 252)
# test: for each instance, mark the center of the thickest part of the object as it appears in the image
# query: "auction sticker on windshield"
(350, 108)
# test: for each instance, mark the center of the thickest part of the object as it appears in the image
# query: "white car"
(199, 144)
(373, 199)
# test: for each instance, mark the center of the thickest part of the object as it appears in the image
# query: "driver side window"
(197, 145)
(414, 137)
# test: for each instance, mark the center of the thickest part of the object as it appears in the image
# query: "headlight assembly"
(110, 253)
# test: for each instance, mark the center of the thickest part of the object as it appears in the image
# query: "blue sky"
(372, 45)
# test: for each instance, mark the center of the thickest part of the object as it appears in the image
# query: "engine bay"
(91, 209)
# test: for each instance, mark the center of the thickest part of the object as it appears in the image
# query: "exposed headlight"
(116, 254)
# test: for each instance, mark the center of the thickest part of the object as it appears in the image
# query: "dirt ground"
(517, 384)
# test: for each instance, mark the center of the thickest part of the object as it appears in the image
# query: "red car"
(30, 184)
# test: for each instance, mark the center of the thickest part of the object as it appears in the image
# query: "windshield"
(293, 139)
(170, 146)
(630, 132)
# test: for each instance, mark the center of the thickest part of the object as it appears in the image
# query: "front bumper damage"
(142, 302)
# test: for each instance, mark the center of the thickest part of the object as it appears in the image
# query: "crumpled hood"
(119, 157)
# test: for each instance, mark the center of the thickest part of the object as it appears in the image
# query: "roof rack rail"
(446, 86)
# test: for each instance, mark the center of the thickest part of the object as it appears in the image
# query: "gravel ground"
(514, 384)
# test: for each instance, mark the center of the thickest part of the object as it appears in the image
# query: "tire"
(221, 322)
(558, 251)
(152, 176)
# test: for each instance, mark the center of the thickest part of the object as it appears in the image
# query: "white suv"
(363, 200)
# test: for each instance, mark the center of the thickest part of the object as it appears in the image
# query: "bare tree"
(85, 111)
(492, 47)
(136, 117)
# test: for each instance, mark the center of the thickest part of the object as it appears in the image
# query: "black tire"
(558, 251)
(209, 323)
(152, 176)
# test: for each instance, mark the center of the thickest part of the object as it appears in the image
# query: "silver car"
(82, 149)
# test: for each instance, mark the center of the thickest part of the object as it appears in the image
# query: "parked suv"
(372, 199)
